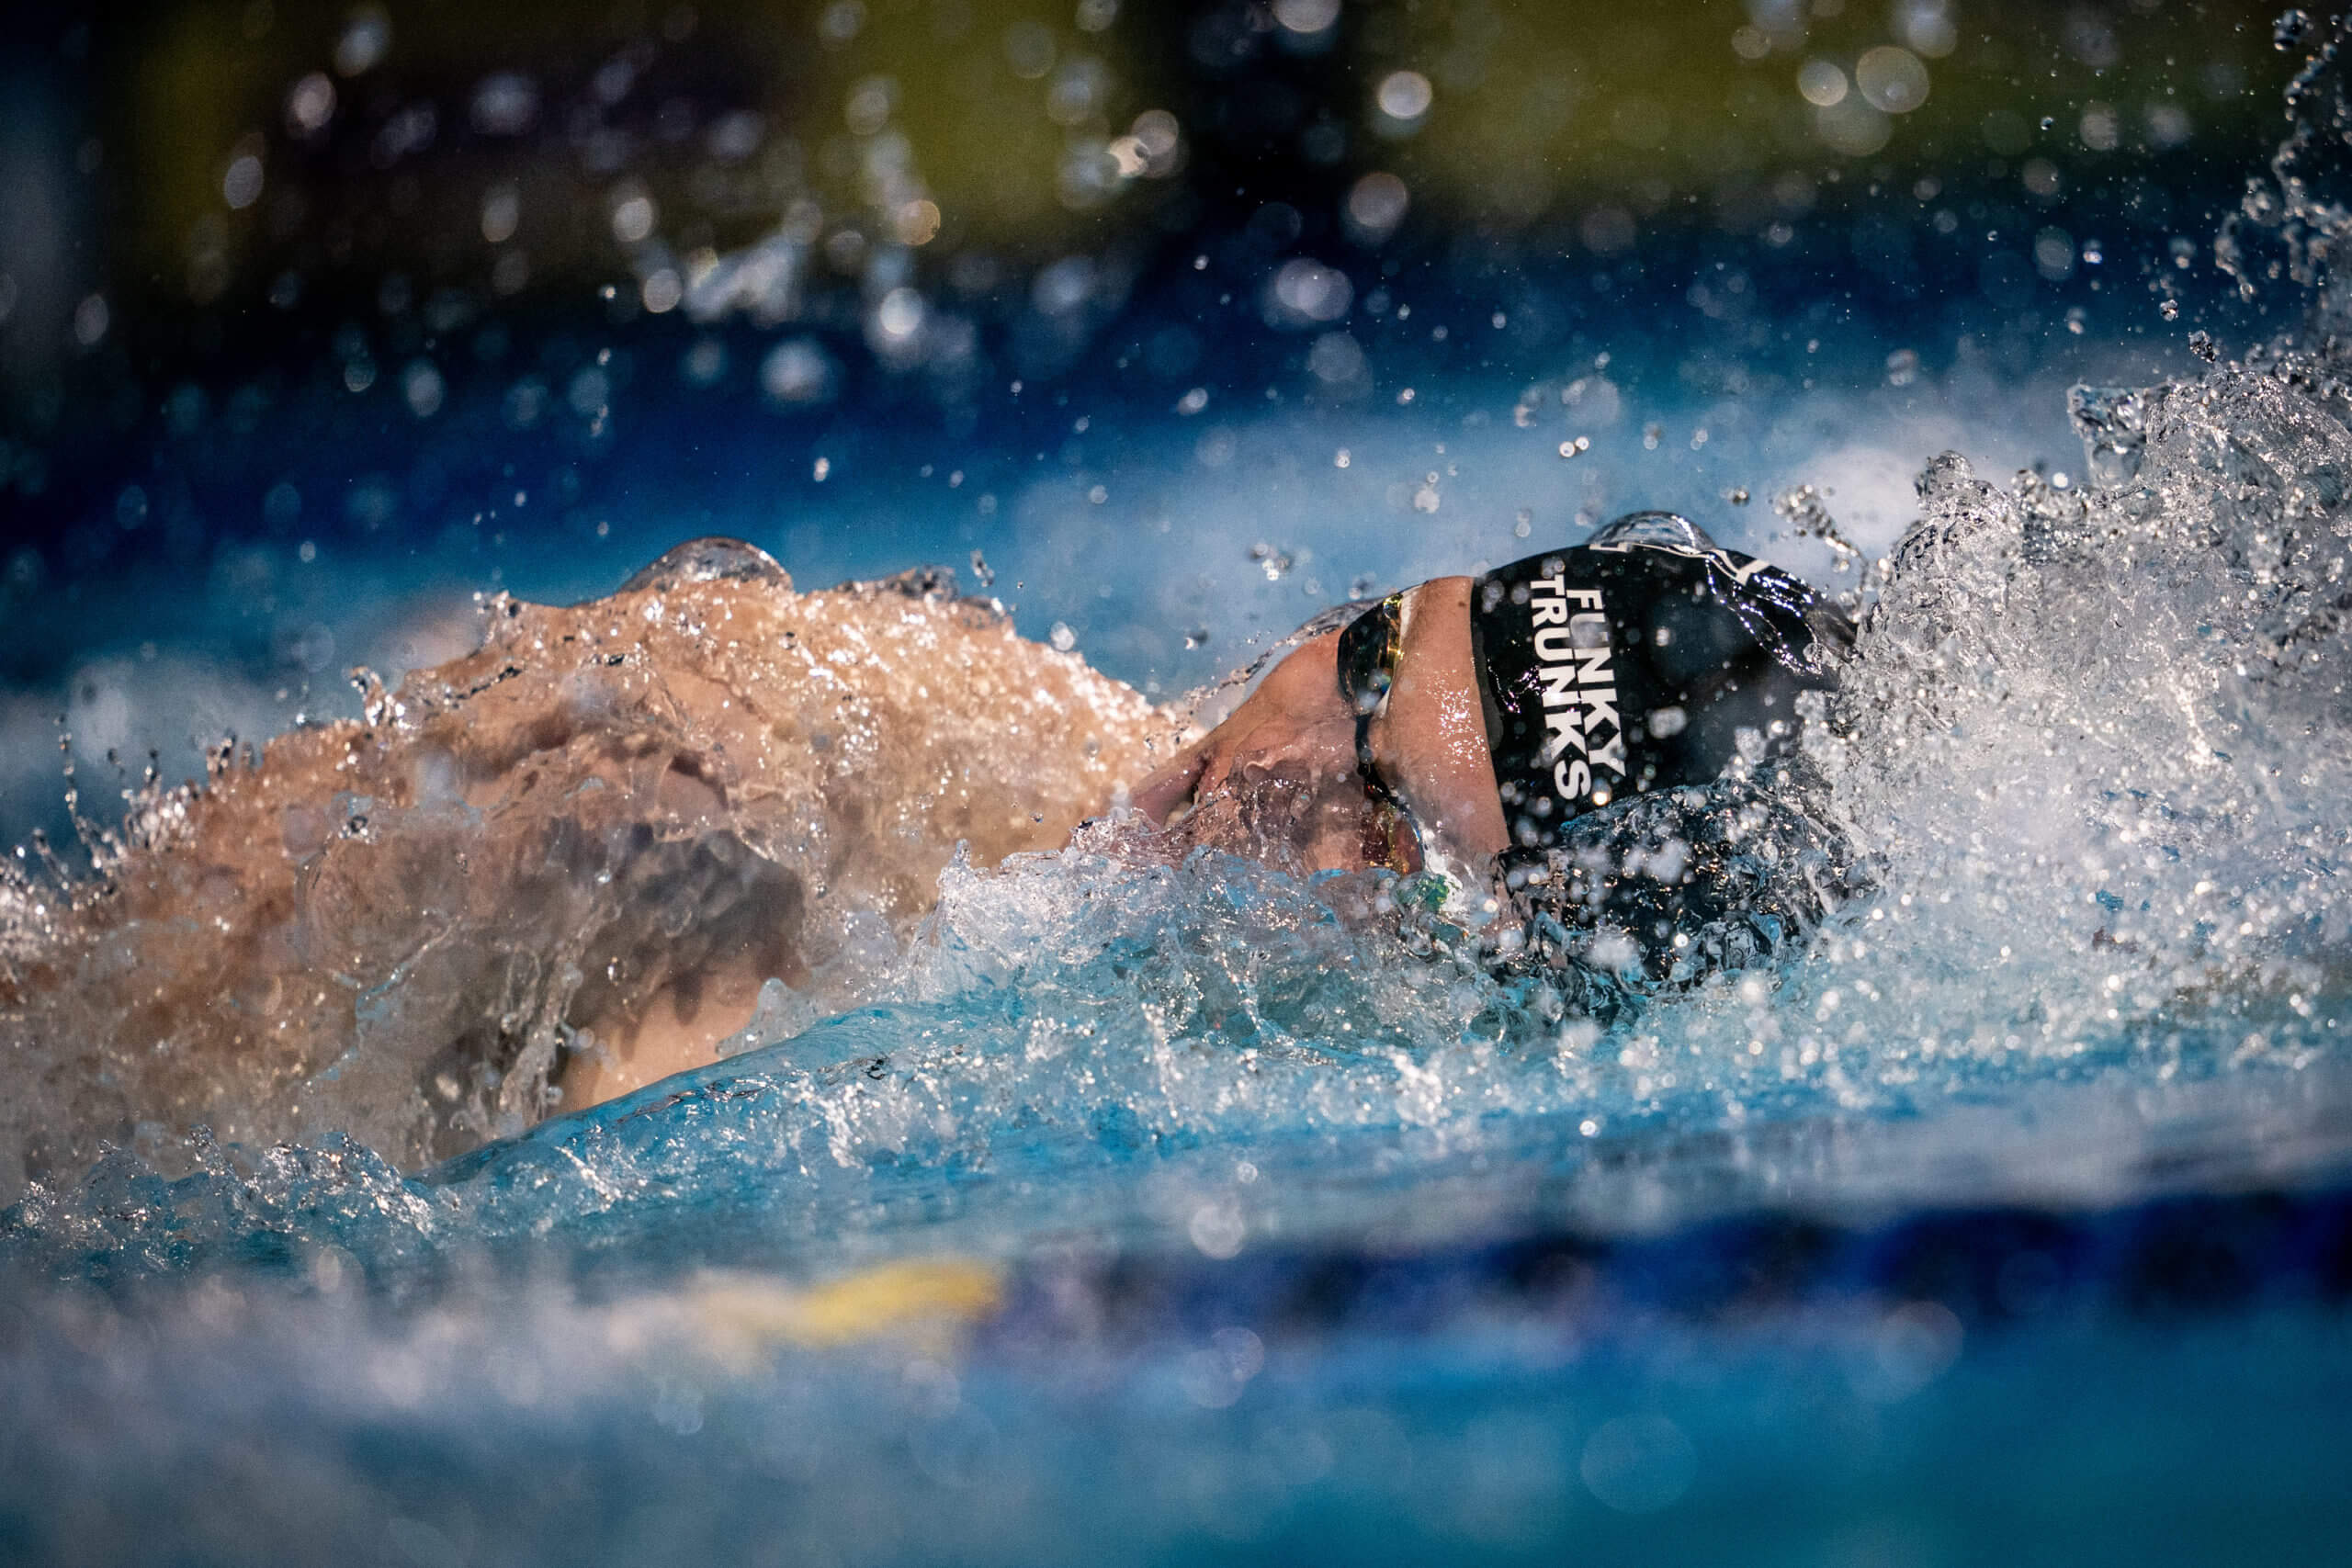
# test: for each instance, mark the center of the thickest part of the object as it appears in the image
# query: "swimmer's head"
(1466, 718)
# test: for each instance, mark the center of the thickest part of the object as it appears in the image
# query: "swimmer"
(1476, 732)
(575, 860)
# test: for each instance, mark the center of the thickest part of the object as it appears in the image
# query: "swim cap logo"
(1583, 732)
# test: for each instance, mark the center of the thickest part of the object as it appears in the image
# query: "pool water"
(1164, 1213)
(1156, 1213)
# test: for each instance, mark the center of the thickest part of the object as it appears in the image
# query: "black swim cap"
(1634, 661)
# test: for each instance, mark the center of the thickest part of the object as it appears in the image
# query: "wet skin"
(1295, 737)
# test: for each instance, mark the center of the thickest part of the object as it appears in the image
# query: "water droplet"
(1405, 96)
(1307, 16)
(502, 212)
(240, 188)
(633, 217)
(1376, 204)
(1821, 84)
(365, 40)
(311, 104)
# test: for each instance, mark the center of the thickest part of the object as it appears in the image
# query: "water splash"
(2096, 738)
(2288, 230)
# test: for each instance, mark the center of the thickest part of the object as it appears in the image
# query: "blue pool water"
(1150, 1213)
(1156, 1215)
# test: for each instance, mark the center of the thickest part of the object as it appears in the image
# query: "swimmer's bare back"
(555, 869)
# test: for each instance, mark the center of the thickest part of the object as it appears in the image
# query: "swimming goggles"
(1367, 670)
(1368, 652)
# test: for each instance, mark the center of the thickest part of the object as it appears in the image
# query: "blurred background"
(1166, 323)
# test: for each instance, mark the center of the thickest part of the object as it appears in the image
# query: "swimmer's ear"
(1160, 796)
